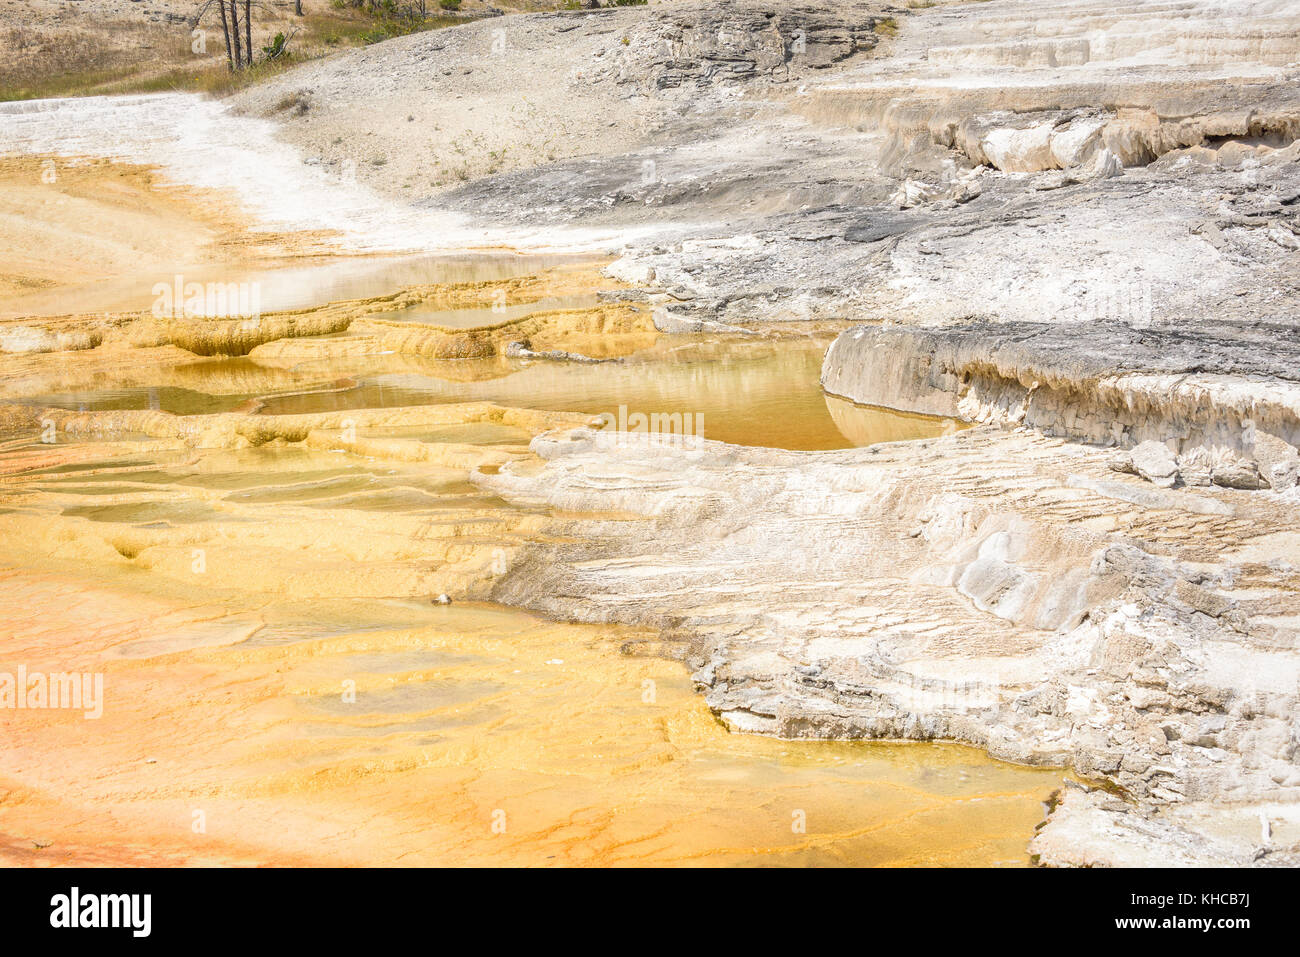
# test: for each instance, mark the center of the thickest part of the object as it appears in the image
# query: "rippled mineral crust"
(229, 574)
(230, 540)
(1071, 225)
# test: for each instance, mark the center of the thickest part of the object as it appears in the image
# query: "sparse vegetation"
(278, 47)
(296, 102)
(85, 58)
(118, 57)
(392, 19)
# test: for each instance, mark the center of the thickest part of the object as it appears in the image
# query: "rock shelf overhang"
(1221, 404)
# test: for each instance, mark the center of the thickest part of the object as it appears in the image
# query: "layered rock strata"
(1102, 383)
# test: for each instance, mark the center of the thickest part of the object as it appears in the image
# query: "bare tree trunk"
(225, 33)
(234, 31)
(248, 31)
(297, 7)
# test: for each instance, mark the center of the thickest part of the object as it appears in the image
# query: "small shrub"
(297, 102)
(276, 47)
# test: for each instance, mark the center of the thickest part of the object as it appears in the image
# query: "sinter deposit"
(1042, 259)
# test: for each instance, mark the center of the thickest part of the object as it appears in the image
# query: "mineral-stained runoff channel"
(250, 550)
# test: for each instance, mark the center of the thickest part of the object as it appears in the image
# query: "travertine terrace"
(1070, 228)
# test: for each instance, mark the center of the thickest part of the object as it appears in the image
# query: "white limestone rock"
(1278, 461)
(1156, 463)
(1235, 472)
